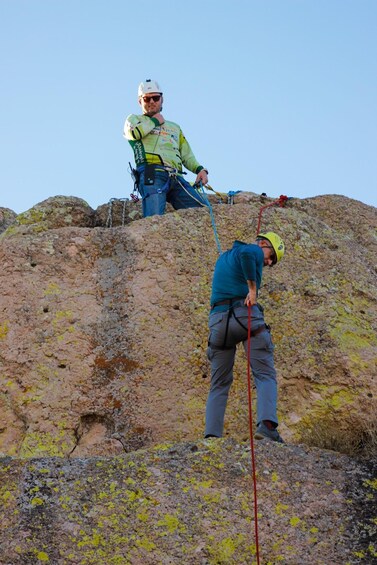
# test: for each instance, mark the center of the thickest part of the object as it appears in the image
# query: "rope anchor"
(109, 221)
(281, 201)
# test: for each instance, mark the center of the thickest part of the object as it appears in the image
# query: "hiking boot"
(263, 432)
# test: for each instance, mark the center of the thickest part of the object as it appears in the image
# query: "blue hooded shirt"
(234, 268)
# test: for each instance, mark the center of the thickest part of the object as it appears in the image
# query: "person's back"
(232, 270)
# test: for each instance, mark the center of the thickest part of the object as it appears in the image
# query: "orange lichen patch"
(115, 365)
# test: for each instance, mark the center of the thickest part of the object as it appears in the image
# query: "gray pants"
(222, 361)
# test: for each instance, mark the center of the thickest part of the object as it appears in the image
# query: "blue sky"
(275, 96)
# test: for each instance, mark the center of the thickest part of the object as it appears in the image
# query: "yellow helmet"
(276, 242)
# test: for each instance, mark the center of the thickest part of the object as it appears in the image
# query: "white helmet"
(147, 87)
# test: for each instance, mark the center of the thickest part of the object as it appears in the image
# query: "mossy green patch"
(43, 444)
(52, 289)
(42, 556)
(37, 501)
(371, 483)
(171, 523)
(350, 328)
(281, 508)
(4, 328)
(224, 551)
(32, 216)
(295, 521)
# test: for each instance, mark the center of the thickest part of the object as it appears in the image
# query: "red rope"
(251, 434)
(281, 201)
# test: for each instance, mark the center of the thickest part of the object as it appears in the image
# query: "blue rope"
(205, 198)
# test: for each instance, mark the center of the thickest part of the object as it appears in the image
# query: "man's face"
(268, 252)
(151, 103)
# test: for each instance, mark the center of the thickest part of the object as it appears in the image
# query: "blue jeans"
(175, 190)
(222, 361)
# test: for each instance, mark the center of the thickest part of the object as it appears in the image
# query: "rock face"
(190, 503)
(103, 331)
(7, 218)
(103, 334)
(55, 212)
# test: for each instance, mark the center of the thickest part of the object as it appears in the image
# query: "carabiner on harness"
(135, 175)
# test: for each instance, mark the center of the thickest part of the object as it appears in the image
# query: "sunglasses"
(147, 99)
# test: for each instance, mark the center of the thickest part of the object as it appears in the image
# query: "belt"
(229, 301)
(159, 167)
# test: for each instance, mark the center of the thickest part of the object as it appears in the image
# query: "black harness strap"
(232, 302)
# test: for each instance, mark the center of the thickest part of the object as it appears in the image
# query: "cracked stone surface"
(104, 379)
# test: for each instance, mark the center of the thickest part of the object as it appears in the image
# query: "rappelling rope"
(280, 202)
(252, 435)
(222, 197)
(206, 200)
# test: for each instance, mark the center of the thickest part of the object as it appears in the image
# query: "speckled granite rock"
(103, 331)
(103, 359)
(7, 218)
(189, 503)
(55, 212)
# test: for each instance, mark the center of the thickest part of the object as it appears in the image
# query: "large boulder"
(103, 331)
(55, 212)
(7, 218)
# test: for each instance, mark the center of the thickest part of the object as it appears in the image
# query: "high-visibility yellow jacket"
(159, 144)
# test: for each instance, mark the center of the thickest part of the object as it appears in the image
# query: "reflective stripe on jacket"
(159, 144)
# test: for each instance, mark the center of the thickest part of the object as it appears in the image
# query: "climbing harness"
(233, 302)
(109, 221)
(253, 465)
(135, 175)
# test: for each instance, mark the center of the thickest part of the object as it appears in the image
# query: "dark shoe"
(210, 436)
(263, 432)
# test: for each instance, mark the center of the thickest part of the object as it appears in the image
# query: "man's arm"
(137, 127)
(189, 160)
(250, 259)
(251, 297)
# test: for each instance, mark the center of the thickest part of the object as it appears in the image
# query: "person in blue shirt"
(236, 282)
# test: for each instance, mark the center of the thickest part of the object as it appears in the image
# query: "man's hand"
(251, 298)
(159, 117)
(202, 177)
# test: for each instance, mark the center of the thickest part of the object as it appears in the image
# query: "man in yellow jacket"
(161, 151)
